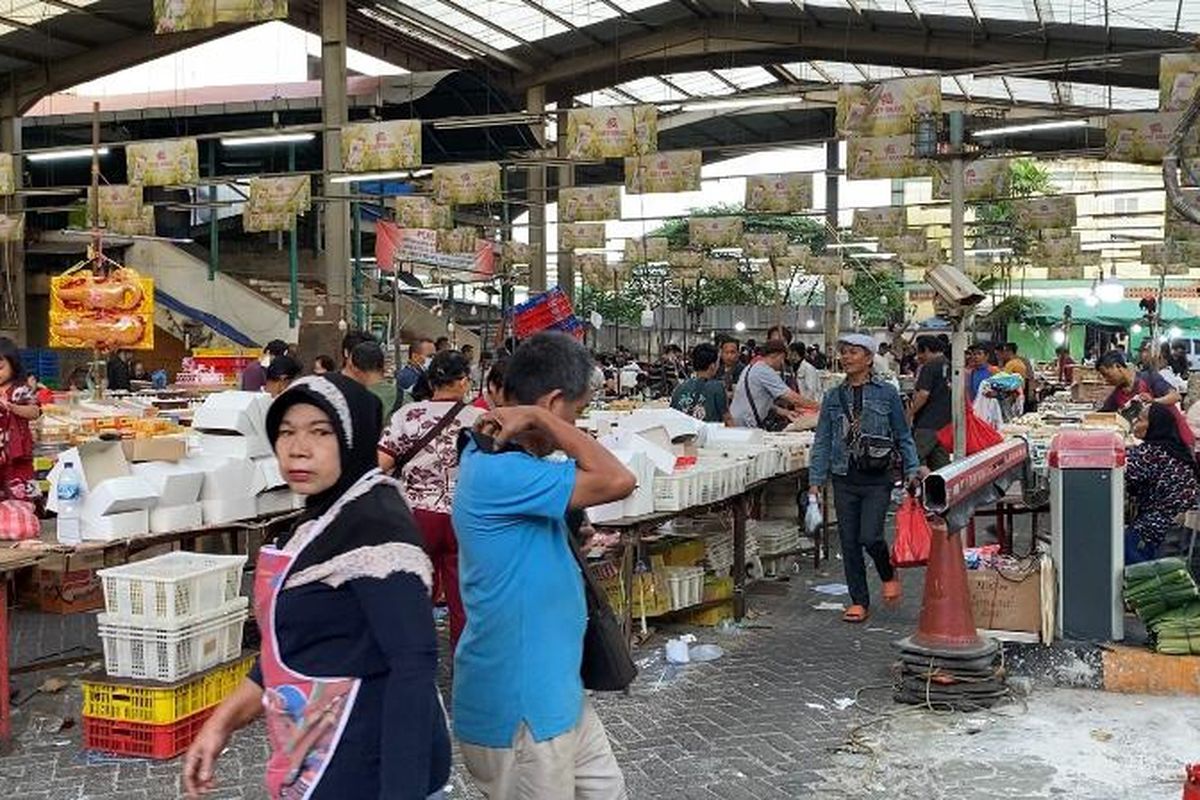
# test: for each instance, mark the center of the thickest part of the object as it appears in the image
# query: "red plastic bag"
(980, 435)
(913, 535)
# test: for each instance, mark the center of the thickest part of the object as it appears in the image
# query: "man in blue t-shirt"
(520, 713)
(702, 395)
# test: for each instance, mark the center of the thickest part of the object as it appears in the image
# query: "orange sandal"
(855, 614)
(892, 591)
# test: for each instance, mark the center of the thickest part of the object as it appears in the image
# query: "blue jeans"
(861, 512)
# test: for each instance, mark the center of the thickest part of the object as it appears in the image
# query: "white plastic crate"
(686, 586)
(171, 590)
(153, 654)
(675, 492)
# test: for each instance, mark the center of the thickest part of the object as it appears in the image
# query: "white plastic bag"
(812, 516)
(988, 409)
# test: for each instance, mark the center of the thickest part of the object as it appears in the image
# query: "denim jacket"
(882, 415)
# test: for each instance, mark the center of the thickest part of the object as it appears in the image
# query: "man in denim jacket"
(859, 421)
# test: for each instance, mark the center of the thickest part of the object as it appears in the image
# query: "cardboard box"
(229, 509)
(119, 495)
(174, 484)
(233, 424)
(166, 519)
(65, 583)
(110, 527)
(223, 477)
(158, 448)
(1009, 602)
(95, 462)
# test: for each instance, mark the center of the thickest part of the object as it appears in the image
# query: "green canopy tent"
(1039, 345)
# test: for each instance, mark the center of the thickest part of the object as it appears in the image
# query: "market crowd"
(464, 481)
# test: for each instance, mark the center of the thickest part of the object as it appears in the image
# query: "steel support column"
(535, 103)
(336, 258)
(833, 172)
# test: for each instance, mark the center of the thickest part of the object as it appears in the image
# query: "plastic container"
(125, 701)
(139, 739)
(132, 651)
(675, 492)
(172, 590)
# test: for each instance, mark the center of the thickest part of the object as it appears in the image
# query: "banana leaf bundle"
(1154, 587)
(1178, 637)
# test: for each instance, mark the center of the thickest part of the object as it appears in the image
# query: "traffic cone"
(1191, 786)
(946, 623)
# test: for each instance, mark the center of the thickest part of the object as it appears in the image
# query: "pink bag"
(18, 520)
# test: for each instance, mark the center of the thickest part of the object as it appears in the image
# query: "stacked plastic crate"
(172, 634)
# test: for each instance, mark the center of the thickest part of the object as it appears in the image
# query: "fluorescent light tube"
(1031, 127)
(62, 155)
(271, 138)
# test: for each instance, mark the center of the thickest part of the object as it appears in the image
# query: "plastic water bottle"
(69, 492)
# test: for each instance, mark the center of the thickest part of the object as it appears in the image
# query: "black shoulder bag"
(774, 421)
(607, 664)
(872, 454)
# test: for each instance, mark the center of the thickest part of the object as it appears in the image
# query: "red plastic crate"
(140, 739)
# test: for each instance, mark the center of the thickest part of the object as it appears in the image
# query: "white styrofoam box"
(232, 445)
(176, 484)
(639, 503)
(243, 413)
(172, 590)
(717, 435)
(267, 475)
(118, 495)
(169, 655)
(661, 457)
(223, 477)
(167, 519)
(275, 502)
(229, 509)
(111, 527)
(679, 426)
(95, 462)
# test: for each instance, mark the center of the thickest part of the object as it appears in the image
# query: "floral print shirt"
(429, 476)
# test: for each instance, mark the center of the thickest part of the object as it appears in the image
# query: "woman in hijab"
(345, 678)
(1161, 475)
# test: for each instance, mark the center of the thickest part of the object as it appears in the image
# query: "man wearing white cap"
(861, 428)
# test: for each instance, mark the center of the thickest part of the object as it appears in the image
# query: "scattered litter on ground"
(705, 652)
(832, 589)
(816, 706)
(53, 685)
(842, 703)
(1101, 735)
(829, 607)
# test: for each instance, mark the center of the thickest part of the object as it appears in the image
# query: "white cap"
(860, 340)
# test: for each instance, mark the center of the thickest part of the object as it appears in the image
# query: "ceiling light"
(1175, 332)
(1135, 328)
(742, 102)
(381, 176)
(1031, 127)
(989, 251)
(1110, 290)
(1059, 336)
(810, 324)
(270, 138)
(488, 121)
(739, 326)
(62, 155)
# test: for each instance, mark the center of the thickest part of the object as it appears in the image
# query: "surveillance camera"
(953, 287)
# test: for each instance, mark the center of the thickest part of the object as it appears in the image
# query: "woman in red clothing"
(420, 445)
(489, 398)
(18, 407)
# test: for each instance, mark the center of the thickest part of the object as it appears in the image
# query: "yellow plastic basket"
(134, 701)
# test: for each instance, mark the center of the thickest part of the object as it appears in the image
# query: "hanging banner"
(422, 212)
(1036, 213)
(913, 250)
(117, 202)
(1057, 251)
(824, 265)
(517, 254)
(595, 271)
(141, 224)
(105, 312)
(589, 203)
(1179, 228)
(779, 194)
(983, 179)
(1178, 80)
(715, 231)
(675, 171)
(289, 194)
(1174, 255)
(1064, 272)
(612, 132)
(395, 245)
(884, 221)
(263, 221)
(8, 177)
(888, 108)
(685, 258)
(1143, 137)
(719, 268)
(764, 245)
(172, 163)
(581, 235)
(457, 240)
(379, 146)
(174, 16)
(651, 249)
(883, 157)
(12, 228)
(467, 184)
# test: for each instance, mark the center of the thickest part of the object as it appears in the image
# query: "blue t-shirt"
(978, 376)
(520, 654)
